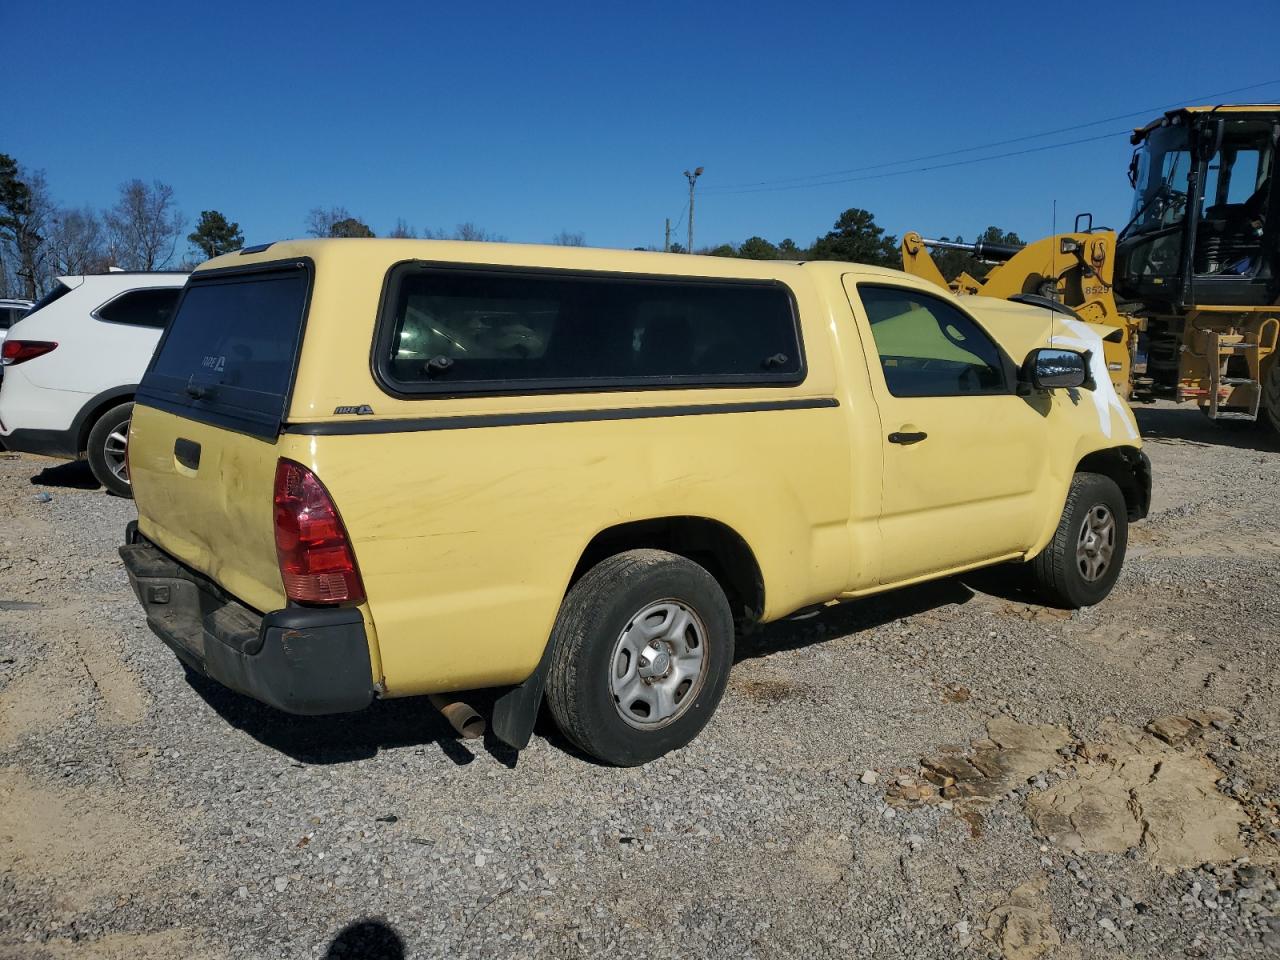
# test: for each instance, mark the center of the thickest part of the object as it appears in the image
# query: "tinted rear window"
(448, 330)
(231, 348)
(59, 290)
(141, 308)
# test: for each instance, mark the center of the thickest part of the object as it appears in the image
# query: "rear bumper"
(301, 659)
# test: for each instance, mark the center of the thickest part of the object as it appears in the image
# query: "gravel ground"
(142, 816)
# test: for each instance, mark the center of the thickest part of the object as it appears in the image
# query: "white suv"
(72, 363)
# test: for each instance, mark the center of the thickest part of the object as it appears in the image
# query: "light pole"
(693, 179)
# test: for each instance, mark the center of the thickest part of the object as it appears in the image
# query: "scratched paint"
(1105, 399)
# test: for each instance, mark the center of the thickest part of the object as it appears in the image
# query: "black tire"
(1271, 397)
(1058, 573)
(102, 449)
(596, 613)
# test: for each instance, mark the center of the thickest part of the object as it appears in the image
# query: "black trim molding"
(336, 428)
(44, 443)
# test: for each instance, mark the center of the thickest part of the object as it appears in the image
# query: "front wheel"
(641, 654)
(1082, 562)
(1271, 397)
(105, 450)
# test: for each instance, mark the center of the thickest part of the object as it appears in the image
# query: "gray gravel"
(144, 816)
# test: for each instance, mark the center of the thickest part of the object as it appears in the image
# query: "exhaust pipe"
(469, 724)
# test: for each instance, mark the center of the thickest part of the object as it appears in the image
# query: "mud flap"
(516, 711)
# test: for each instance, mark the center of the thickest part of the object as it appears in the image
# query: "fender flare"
(81, 425)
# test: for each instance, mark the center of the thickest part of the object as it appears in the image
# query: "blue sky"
(529, 119)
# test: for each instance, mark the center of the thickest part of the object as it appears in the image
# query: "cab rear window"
(228, 356)
(450, 330)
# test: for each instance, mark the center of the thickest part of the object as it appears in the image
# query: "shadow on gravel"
(851, 617)
(1189, 425)
(413, 722)
(73, 474)
(347, 737)
(366, 940)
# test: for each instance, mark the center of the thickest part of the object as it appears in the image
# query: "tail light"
(317, 563)
(20, 351)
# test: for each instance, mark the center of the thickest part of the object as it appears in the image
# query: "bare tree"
(469, 231)
(566, 239)
(144, 226)
(335, 222)
(402, 231)
(77, 243)
(25, 211)
(320, 220)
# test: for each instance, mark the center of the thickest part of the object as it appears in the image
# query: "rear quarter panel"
(466, 539)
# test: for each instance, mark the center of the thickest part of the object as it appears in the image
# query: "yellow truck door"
(964, 455)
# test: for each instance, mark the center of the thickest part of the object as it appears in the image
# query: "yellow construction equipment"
(1072, 270)
(1193, 279)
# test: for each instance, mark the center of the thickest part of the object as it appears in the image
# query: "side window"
(141, 308)
(458, 330)
(928, 348)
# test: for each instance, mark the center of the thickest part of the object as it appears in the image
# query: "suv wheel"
(1082, 562)
(105, 449)
(641, 654)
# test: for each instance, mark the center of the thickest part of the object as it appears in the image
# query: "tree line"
(855, 237)
(339, 222)
(41, 239)
(143, 230)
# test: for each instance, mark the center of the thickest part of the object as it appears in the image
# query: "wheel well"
(1128, 468)
(94, 409)
(716, 547)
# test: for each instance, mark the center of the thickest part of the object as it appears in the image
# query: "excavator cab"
(1204, 230)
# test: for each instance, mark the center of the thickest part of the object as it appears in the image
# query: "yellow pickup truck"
(383, 468)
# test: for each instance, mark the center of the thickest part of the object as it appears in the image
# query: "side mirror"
(1049, 368)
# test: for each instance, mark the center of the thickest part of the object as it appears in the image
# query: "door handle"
(906, 439)
(187, 453)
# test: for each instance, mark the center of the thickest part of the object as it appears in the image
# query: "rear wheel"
(1082, 562)
(105, 449)
(641, 655)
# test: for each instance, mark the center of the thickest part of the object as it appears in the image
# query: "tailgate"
(216, 517)
(204, 440)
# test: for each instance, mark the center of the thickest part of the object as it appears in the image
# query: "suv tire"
(105, 449)
(1082, 562)
(641, 652)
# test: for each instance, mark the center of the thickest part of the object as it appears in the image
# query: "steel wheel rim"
(658, 664)
(113, 452)
(1096, 545)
